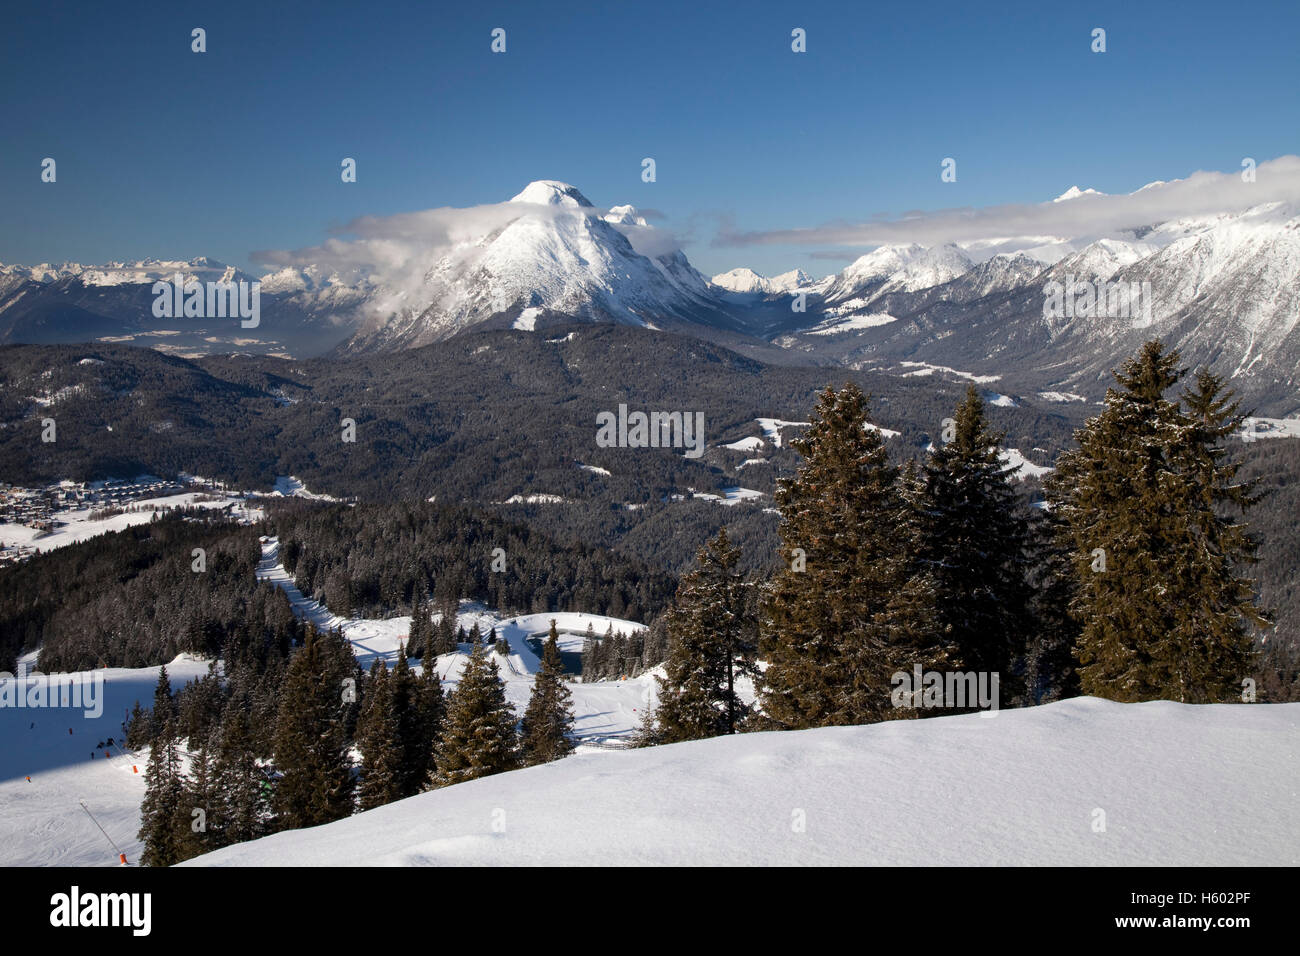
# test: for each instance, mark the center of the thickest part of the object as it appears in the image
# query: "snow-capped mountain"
(748, 282)
(1074, 192)
(557, 258)
(902, 268)
(303, 311)
(1220, 287)
(127, 273)
(1223, 289)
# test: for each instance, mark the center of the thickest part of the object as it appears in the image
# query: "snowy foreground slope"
(1179, 785)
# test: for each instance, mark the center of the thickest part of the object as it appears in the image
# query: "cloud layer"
(1200, 194)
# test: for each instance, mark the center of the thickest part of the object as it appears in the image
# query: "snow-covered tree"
(547, 727)
(478, 736)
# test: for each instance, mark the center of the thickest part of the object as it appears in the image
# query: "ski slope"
(41, 821)
(1179, 785)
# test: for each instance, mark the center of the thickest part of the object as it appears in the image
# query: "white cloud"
(1200, 194)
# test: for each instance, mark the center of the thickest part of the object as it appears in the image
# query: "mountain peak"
(1074, 192)
(549, 192)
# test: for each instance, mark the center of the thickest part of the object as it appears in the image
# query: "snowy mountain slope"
(1224, 290)
(41, 821)
(1178, 785)
(905, 268)
(559, 256)
(142, 271)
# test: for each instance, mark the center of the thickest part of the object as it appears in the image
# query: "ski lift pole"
(120, 855)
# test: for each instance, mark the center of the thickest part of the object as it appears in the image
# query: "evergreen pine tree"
(412, 731)
(161, 812)
(239, 783)
(713, 640)
(139, 728)
(851, 606)
(447, 637)
(164, 704)
(423, 639)
(1049, 671)
(199, 804)
(1144, 506)
(311, 736)
(379, 740)
(547, 727)
(974, 541)
(433, 711)
(478, 735)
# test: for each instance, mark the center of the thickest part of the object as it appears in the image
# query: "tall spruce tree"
(164, 704)
(161, 814)
(1163, 606)
(312, 734)
(713, 640)
(1217, 624)
(1049, 669)
(422, 635)
(447, 639)
(974, 540)
(199, 808)
(851, 605)
(240, 791)
(414, 742)
(433, 712)
(379, 740)
(478, 736)
(547, 727)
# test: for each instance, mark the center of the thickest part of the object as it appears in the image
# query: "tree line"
(221, 771)
(1132, 582)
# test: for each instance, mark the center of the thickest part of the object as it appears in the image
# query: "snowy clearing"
(752, 443)
(853, 324)
(42, 823)
(772, 428)
(1024, 468)
(1061, 397)
(729, 496)
(924, 368)
(1273, 427)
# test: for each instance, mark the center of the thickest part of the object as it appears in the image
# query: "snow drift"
(1084, 781)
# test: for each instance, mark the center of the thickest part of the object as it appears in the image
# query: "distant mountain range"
(1223, 289)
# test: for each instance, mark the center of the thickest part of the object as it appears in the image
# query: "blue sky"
(164, 152)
